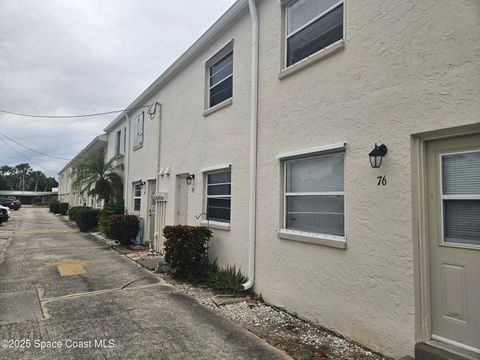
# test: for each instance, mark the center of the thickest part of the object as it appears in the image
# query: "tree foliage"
(23, 177)
(96, 177)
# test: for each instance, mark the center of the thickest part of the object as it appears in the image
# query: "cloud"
(72, 57)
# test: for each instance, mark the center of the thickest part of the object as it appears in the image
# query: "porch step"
(440, 351)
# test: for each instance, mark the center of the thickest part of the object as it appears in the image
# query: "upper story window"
(218, 195)
(120, 141)
(220, 76)
(312, 25)
(314, 195)
(138, 131)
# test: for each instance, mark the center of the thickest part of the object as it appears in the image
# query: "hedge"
(54, 207)
(63, 208)
(73, 211)
(114, 208)
(86, 219)
(123, 228)
(186, 249)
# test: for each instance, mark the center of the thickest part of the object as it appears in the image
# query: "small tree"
(96, 177)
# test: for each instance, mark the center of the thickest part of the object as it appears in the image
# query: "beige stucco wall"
(407, 67)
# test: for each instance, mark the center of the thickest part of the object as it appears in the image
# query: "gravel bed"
(298, 338)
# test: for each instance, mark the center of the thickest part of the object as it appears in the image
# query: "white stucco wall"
(407, 67)
(191, 142)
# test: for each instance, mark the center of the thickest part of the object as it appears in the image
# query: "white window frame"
(334, 241)
(135, 197)
(442, 241)
(224, 51)
(137, 137)
(319, 53)
(222, 225)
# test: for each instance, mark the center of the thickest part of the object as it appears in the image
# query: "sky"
(64, 57)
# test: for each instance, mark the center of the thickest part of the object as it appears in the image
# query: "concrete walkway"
(78, 299)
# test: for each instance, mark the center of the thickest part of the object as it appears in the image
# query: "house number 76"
(382, 180)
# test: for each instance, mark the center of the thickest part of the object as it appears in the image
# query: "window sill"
(215, 225)
(217, 107)
(312, 59)
(136, 147)
(313, 238)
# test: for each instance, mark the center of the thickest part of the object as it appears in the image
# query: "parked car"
(9, 211)
(10, 202)
(3, 215)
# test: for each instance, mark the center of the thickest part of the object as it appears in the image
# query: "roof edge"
(96, 139)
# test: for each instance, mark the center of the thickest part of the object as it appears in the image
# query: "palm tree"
(95, 177)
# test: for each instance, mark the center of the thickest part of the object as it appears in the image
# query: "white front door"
(453, 181)
(182, 200)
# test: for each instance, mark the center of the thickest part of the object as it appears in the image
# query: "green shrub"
(73, 211)
(115, 208)
(63, 208)
(228, 280)
(123, 228)
(54, 207)
(186, 249)
(86, 219)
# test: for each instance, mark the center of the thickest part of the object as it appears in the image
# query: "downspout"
(127, 168)
(253, 149)
(158, 215)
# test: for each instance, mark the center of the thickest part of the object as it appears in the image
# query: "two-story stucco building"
(66, 192)
(263, 131)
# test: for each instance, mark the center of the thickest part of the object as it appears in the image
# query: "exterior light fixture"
(190, 178)
(377, 154)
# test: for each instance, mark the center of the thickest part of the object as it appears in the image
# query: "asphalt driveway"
(65, 295)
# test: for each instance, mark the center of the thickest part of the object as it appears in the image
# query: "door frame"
(178, 178)
(150, 218)
(421, 253)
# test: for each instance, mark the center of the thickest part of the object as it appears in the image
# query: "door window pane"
(319, 214)
(461, 174)
(462, 221)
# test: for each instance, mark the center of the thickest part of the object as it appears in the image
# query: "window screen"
(219, 196)
(221, 80)
(314, 194)
(311, 26)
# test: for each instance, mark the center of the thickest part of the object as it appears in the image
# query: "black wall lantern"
(190, 178)
(377, 154)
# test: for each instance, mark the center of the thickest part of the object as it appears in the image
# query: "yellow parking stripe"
(69, 267)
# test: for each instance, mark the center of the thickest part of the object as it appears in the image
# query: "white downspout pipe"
(158, 206)
(127, 167)
(252, 213)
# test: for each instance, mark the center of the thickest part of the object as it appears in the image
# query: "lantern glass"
(375, 161)
(376, 155)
